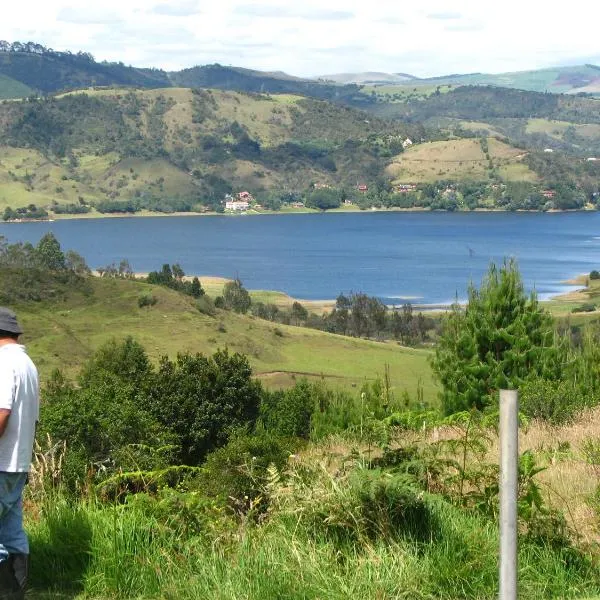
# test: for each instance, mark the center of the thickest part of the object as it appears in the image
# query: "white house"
(237, 205)
(406, 143)
(548, 150)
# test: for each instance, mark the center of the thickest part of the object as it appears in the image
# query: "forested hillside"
(175, 148)
(45, 70)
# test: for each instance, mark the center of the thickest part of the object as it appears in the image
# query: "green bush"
(288, 413)
(555, 402)
(584, 308)
(146, 299)
(206, 306)
(595, 274)
(239, 471)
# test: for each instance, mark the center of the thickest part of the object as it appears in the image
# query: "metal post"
(509, 472)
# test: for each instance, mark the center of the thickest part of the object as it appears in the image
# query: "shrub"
(146, 299)
(206, 306)
(555, 402)
(584, 308)
(201, 400)
(595, 274)
(288, 413)
(239, 471)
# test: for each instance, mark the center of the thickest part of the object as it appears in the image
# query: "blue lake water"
(426, 258)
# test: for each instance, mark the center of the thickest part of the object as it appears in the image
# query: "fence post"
(509, 473)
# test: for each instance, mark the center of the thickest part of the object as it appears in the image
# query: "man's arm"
(4, 415)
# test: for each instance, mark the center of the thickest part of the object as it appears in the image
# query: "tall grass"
(89, 550)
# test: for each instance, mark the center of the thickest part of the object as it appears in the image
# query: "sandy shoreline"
(213, 285)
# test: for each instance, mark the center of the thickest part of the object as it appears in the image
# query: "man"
(19, 412)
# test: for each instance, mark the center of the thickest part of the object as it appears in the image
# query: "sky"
(316, 37)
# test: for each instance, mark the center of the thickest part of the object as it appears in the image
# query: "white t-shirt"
(19, 393)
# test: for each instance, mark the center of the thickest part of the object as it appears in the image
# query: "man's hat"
(8, 321)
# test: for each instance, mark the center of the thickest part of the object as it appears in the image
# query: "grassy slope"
(557, 129)
(270, 120)
(557, 80)
(11, 88)
(458, 159)
(65, 335)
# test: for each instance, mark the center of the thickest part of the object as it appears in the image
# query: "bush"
(555, 402)
(146, 299)
(288, 413)
(239, 471)
(206, 306)
(201, 400)
(584, 308)
(595, 274)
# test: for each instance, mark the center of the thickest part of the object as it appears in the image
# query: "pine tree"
(500, 340)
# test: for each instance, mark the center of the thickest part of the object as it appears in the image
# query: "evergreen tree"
(500, 340)
(50, 254)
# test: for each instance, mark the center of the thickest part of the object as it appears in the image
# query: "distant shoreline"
(299, 211)
(213, 284)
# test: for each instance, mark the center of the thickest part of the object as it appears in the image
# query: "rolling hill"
(173, 149)
(461, 159)
(570, 79)
(66, 334)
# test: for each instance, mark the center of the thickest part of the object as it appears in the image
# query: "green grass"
(12, 89)
(86, 550)
(66, 335)
(458, 160)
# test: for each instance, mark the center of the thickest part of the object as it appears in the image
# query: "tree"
(299, 313)
(324, 199)
(203, 400)
(501, 339)
(195, 288)
(236, 296)
(76, 263)
(49, 253)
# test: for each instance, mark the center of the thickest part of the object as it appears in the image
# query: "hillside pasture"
(460, 159)
(11, 89)
(65, 336)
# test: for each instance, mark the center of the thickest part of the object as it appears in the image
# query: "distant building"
(245, 196)
(403, 188)
(347, 201)
(321, 186)
(548, 150)
(237, 205)
(548, 193)
(592, 159)
(362, 188)
(406, 143)
(298, 204)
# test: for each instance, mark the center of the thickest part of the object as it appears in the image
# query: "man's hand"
(4, 415)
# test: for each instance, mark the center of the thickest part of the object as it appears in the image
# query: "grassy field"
(66, 335)
(10, 88)
(406, 92)
(458, 159)
(557, 129)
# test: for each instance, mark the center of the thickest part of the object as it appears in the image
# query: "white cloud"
(87, 16)
(313, 37)
(183, 8)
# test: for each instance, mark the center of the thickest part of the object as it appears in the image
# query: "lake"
(427, 258)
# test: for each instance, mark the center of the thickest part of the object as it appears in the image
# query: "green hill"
(11, 88)
(488, 102)
(458, 160)
(571, 79)
(66, 333)
(47, 71)
(174, 149)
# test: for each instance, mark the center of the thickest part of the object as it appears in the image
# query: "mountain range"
(77, 135)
